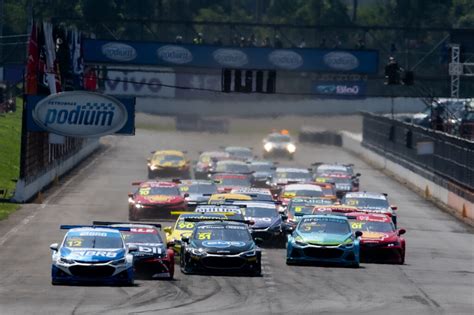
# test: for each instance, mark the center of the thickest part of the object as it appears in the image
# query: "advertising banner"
(154, 82)
(208, 56)
(80, 114)
(340, 88)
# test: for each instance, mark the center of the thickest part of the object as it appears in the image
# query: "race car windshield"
(324, 226)
(370, 226)
(340, 180)
(223, 233)
(170, 158)
(257, 212)
(150, 191)
(366, 203)
(302, 193)
(240, 153)
(185, 225)
(93, 241)
(232, 168)
(278, 138)
(199, 189)
(232, 181)
(261, 167)
(301, 210)
(139, 238)
(293, 175)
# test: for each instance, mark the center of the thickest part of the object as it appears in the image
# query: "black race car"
(153, 259)
(222, 246)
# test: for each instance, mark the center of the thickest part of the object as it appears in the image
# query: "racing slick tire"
(258, 271)
(290, 263)
(132, 216)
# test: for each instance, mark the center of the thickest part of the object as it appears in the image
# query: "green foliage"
(10, 134)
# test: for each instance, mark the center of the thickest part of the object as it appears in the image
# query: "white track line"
(26, 220)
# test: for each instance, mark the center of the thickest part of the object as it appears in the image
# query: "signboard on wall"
(209, 56)
(340, 88)
(80, 114)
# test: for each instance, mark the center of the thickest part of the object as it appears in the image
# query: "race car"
(184, 228)
(300, 206)
(240, 153)
(329, 190)
(227, 198)
(267, 222)
(153, 259)
(218, 247)
(227, 182)
(207, 161)
(380, 241)
(288, 175)
(199, 191)
(262, 172)
(231, 167)
(257, 194)
(92, 254)
(323, 239)
(342, 175)
(155, 199)
(299, 190)
(231, 211)
(169, 163)
(371, 202)
(279, 145)
(334, 209)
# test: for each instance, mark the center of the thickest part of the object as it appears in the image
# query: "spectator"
(266, 42)
(322, 43)
(278, 42)
(179, 39)
(252, 41)
(243, 42)
(360, 44)
(235, 40)
(217, 41)
(302, 43)
(337, 42)
(198, 40)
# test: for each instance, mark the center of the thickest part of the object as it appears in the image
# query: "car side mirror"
(393, 207)
(284, 217)
(358, 233)
(54, 247)
(358, 174)
(401, 231)
(258, 240)
(288, 229)
(167, 229)
(132, 248)
(185, 195)
(170, 244)
(185, 239)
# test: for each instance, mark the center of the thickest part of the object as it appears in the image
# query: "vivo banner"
(80, 114)
(340, 88)
(207, 56)
(158, 82)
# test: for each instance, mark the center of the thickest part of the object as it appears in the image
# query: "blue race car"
(323, 239)
(92, 254)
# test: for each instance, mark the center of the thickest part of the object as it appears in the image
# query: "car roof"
(292, 169)
(230, 196)
(94, 229)
(169, 152)
(158, 184)
(259, 204)
(302, 187)
(364, 194)
(322, 216)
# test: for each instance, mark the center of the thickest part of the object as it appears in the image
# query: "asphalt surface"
(438, 277)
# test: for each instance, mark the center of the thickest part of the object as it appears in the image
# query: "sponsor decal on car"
(119, 51)
(222, 244)
(174, 54)
(80, 114)
(230, 57)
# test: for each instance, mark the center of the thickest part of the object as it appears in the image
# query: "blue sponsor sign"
(207, 56)
(80, 114)
(340, 88)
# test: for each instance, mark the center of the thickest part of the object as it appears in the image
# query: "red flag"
(90, 79)
(32, 63)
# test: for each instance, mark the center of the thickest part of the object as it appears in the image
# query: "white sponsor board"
(174, 54)
(147, 82)
(119, 51)
(230, 57)
(80, 114)
(341, 60)
(286, 59)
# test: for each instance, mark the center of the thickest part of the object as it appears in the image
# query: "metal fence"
(422, 150)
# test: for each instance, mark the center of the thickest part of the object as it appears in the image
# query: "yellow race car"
(184, 227)
(228, 197)
(168, 162)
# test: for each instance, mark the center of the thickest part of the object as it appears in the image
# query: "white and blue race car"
(92, 254)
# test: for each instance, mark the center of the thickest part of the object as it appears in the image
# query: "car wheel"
(289, 262)
(355, 265)
(132, 216)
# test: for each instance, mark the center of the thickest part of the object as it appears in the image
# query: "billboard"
(340, 88)
(209, 56)
(80, 114)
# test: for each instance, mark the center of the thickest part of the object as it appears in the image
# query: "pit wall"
(448, 200)
(27, 189)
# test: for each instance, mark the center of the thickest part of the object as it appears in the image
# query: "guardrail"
(443, 155)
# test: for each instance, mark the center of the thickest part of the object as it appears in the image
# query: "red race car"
(154, 199)
(380, 241)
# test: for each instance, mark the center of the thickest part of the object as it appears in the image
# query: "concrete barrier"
(25, 191)
(448, 200)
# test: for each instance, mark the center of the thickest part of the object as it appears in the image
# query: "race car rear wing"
(107, 223)
(69, 227)
(248, 222)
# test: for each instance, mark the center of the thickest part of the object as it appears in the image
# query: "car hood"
(223, 247)
(158, 199)
(324, 238)
(92, 254)
(168, 164)
(178, 234)
(261, 174)
(149, 249)
(261, 223)
(379, 236)
(198, 197)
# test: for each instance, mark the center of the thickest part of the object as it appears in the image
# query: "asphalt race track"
(438, 277)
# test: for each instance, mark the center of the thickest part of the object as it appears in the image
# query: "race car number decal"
(185, 225)
(320, 180)
(356, 225)
(352, 202)
(298, 209)
(289, 194)
(74, 242)
(184, 188)
(204, 236)
(144, 191)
